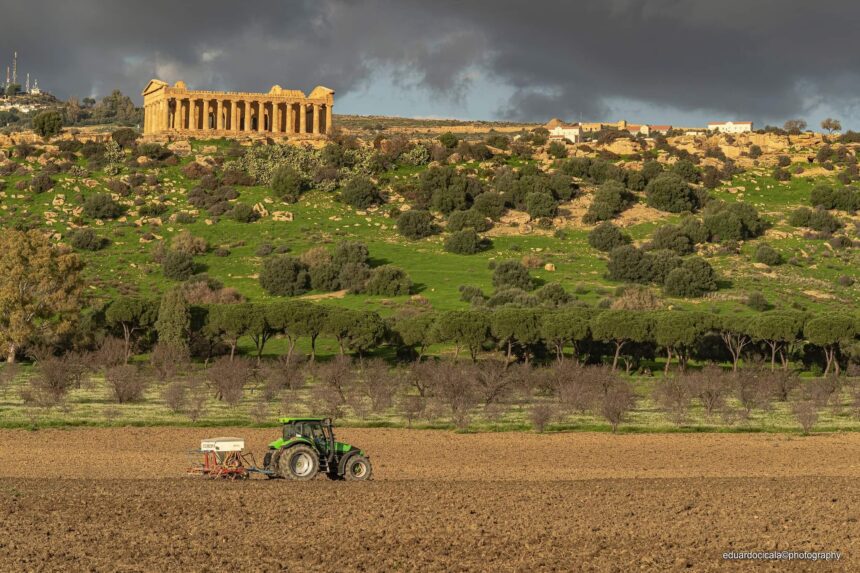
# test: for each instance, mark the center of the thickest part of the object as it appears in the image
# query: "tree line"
(623, 338)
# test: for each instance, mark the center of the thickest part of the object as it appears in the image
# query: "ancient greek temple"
(280, 113)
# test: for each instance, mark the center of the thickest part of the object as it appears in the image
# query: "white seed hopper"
(222, 445)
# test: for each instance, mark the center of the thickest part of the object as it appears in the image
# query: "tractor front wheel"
(357, 468)
(299, 463)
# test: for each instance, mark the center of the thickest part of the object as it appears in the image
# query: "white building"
(571, 132)
(731, 126)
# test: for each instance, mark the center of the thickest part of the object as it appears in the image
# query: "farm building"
(731, 126)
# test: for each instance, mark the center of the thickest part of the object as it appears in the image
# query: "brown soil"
(116, 499)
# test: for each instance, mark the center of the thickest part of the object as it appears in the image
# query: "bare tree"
(806, 414)
(412, 407)
(457, 390)
(674, 396)
(175, 395)
(576, 386)
(710, 385)
(541, 415)
(229, 378)
(126, 382)
(198, 396)
(378, 383)
(168, 360)
(494, 379)
(617, 401)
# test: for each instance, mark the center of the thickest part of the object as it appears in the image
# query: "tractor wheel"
(270, 462)
(299, 463)
(357, 468)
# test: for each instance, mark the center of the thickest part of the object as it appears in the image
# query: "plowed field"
(117, 500)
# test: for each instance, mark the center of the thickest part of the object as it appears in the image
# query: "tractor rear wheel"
(299, 463)
(357, 468)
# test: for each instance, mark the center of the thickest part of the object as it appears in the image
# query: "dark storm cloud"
(764, 60)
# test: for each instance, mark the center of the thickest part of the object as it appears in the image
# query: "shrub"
(41, 183)
(686, 170)
(783, 161)
(360, 193)
(557, 150)
(416, 224)
(177, 265)
(541, 414)
(325, 277)
(607, 236)
(125, 137)
(154, 151)
(755, 151)
(669, 192)
(490, 204)
(629, 264)
(388, 280)
(673, 238)
(780, 174)
(758, 302)
(283, 275)
(768, 255)
(449, 140)
(243, 213)
(464, 242)
(732, 221)
(86, 240)
(610, 199)
(469, 219)
(693, 278)
(47, 123)
(101, 206)
(539, 205)
(185, 242)
(152, 209)
(818, 220)
(354, 276)
(349, 252)
(512, 274)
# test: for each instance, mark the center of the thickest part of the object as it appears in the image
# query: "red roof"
(661, 127)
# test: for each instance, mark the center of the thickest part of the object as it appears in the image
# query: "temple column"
(290, 117)
(276, 117)
(165, 114)
(219, 120)
(205, 115)
(247, 110)
(261, 117)
(303, 118)
(328, 118)
(316, 119)
(234, 116)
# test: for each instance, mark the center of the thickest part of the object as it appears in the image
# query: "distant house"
(731, 126)
(569, 131)
(664, 129)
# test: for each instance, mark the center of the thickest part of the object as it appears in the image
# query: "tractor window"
(289, 431)
(318, 436)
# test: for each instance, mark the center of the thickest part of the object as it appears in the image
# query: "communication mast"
(27, 86)
(15, 68)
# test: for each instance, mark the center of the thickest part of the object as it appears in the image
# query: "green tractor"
(308, 447)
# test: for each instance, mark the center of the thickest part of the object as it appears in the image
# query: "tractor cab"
(308, 446)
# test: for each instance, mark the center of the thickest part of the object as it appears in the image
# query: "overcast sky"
(683, 62)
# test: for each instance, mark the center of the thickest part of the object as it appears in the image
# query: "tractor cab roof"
(304, 419)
